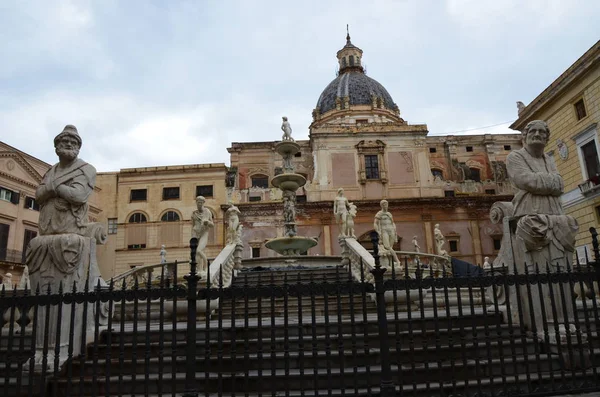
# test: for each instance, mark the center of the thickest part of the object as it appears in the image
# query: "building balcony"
(590, 186)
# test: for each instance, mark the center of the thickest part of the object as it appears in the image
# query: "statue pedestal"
(63, 263)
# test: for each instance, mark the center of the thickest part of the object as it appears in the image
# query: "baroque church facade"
(358, 141)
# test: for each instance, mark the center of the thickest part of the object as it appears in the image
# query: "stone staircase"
(320, 344)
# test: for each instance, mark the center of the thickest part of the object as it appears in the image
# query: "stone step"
(517, 384)
(277, 381)
(419, 340)
(309, 358)
(256, 327)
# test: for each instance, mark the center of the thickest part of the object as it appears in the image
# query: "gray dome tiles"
(358, 87)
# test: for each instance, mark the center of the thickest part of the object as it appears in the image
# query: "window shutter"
(14, 198)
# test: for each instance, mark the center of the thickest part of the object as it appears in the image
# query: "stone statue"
(486, 263)
(64, 252)
(349, 231)
(24, 283)
(287, 130)
(7, 283)
(234, 227)
(340, 210)
(202, 222)
(541, 235)
(520, 107)
(163, 254)
(440, 240)
(541, 219)
(415, 243)
(386, 229)
(289, 213)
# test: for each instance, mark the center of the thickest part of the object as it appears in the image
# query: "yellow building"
(571, 107)
(145, 208)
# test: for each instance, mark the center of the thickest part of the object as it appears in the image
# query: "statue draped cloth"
(546, 233)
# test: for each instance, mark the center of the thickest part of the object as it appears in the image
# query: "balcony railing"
(589, 187)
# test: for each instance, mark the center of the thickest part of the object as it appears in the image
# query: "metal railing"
(312, 332)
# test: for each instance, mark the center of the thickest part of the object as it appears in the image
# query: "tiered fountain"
(289, 182)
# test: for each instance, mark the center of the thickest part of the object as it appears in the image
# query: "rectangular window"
(372, 166)
(507, 147)
(301, 198)
(580, 109)
(112, 225)
(469, 148)
(490, 191)
(136, 246)
(260, 181)
(432, 150)
(449, 193)
(475, 175)
(254, 198)
(170, 193)
(204, 191)
(4, 230)
(256, 252)
(138, 195)
(299, 154)
(590, 158)
(453, 245)
(497, 243)
(9, 195)
(362, 121)
(31, 204)
(29, 235)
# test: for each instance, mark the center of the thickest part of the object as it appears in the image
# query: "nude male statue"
(287, 130)
(385, 227)
(202, 221)
(340, 210)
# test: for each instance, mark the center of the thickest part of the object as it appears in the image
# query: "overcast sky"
(175, 82)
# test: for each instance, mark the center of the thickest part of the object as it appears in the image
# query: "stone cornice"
(474, 204)
(18, 180)
(23, 163)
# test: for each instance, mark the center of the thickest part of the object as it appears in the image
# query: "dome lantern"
(350, 56)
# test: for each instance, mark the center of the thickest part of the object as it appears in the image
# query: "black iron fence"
(308, 332)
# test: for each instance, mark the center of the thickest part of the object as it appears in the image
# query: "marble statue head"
(67, 143)
(340, 191)
(200, 200)
(536, 133)
(384, 204)
(284, 118)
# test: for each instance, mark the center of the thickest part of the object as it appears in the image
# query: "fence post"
(192, 285)
(596, 249)
(388, 389)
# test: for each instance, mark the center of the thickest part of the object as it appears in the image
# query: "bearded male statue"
(64, 253)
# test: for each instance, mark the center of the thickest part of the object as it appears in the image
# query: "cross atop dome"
(349, 57)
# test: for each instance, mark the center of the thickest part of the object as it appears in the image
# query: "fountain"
(289, 182)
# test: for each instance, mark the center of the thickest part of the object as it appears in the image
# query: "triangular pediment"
(16, 167)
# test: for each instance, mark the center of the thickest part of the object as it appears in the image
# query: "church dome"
(352, 86)
(359, 88)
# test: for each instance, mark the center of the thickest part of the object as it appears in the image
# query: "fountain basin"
(291, 245)
(288, 181)
(287, 148)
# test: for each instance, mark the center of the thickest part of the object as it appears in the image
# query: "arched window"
(437, 173)
(135, 234)
(170, 232)
(138, 217)
(351, 60)
(170, 216)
